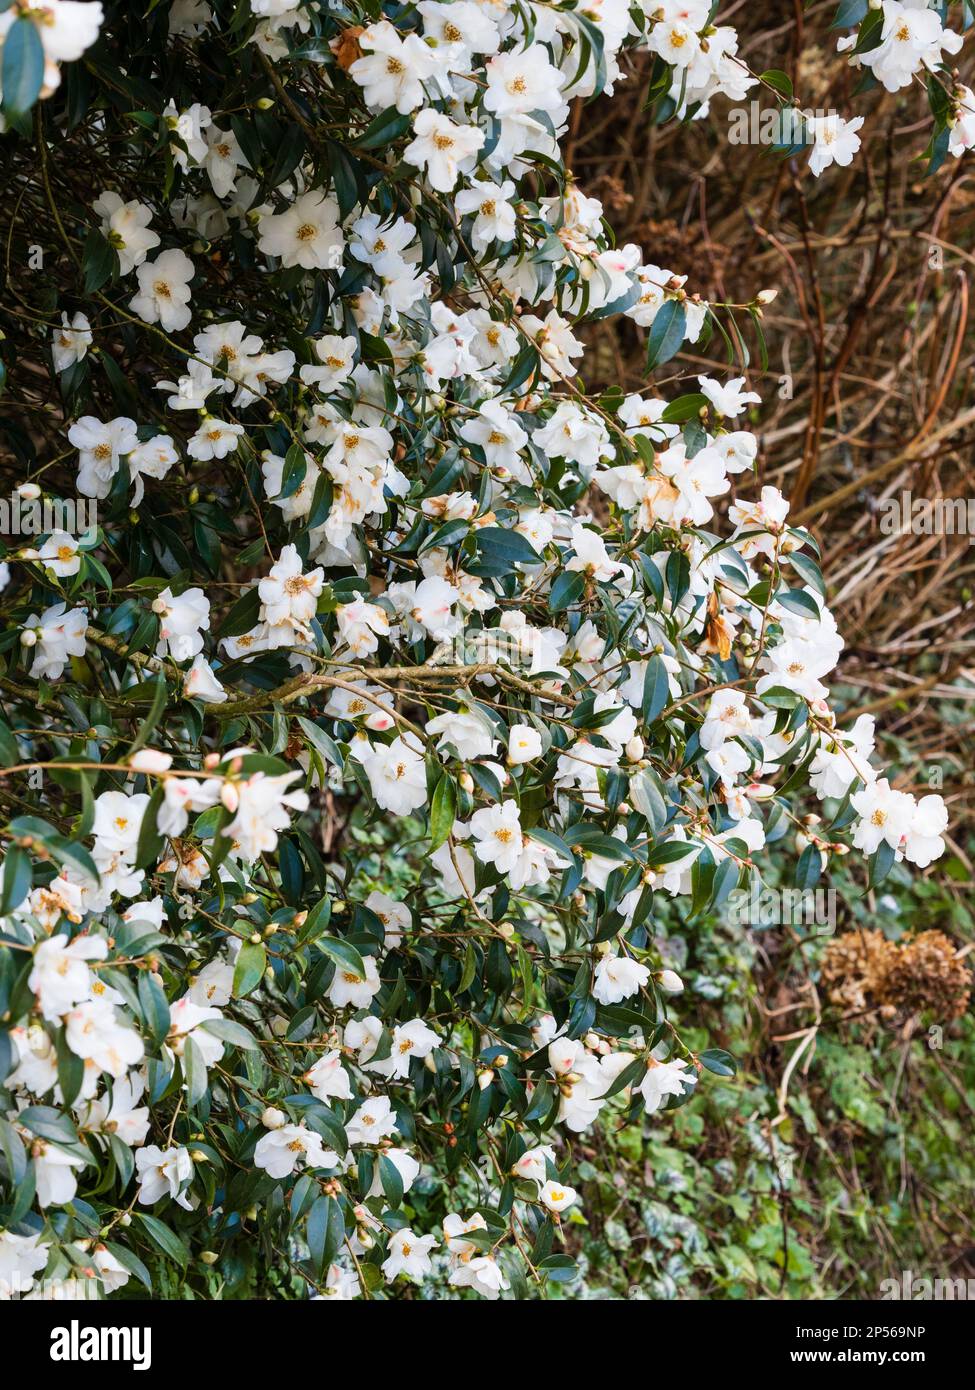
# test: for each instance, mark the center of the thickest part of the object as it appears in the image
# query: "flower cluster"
(399, 674)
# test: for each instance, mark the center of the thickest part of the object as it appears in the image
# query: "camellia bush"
(365, 680)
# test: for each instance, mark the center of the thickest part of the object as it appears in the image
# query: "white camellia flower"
(118, 820)
(455, 1228)
(350, 990)
(468, 731)
(200, 683)
(60, 976)
(328, 1079)
(58, 635)
(409, 1254)
(533, 1164)
(442, 148)
(263, 805)
(163, 1172)
(70, 342)
(213, 985)
(556, 1196)
(59, 554)
(290, 596)
(835, 141)
(189, 17)
(497, 830)
(153, 458)
(126, 227)
(483, 1274)
(663, 1079)
(885, 815)
(841, 758)
(728, 398)
(307, 234)
(164, 291)
(591, 556)
(101, 448)
(494, 217)
(912, 37)
(186, 1018)
(222, 160)
(337, 358)
(182, 621)
(925, 838)
(406, 1167)
(670, 982)
(21, 1257)
(393, 68)
(94, 1032)
(523, 81)
(397, 774)
(55, 1172)
(374, 1120)
(189, 127)
(180, 796)
(395, 916)
(524, 744)
(123, 1116)
(214, 439)
(413, 1039)
(112, 1274)
(963, 130)
(617, 978)
(66, 28)
(282, 1150)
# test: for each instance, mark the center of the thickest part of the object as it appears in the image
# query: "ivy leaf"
(719, 1062)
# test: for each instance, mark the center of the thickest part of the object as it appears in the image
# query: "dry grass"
(868, 390)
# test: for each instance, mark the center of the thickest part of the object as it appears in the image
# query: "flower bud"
(150, 760)
(28, 638)
(29, 492)
(273, 1118)
(670, 982)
